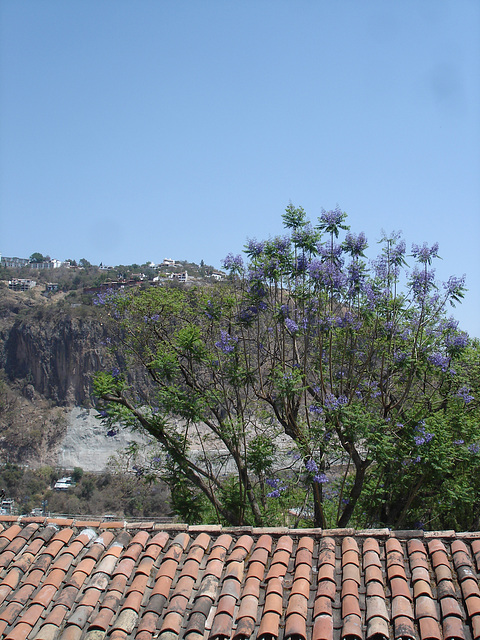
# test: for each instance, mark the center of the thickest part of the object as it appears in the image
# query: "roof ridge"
(151, 525)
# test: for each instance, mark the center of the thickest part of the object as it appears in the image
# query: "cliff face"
(49, 353)
(57, 354)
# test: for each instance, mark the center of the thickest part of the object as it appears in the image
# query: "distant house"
(46, 264)
(64, 484)
(168, 262)
(218, 275)
(21, 284)
(7, 506)
(51, 286)
(181, 277)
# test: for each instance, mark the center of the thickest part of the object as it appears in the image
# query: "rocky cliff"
(57, 354)
(49, 352)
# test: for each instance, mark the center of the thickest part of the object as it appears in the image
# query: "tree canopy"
(313, 385)
(36, 257)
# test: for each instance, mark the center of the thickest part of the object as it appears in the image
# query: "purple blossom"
(439, 360)
(273, 482)
(311, 466)
(115, 372)
(105, 297)
(314, 408)
(111, 433)
(355, 278)
(457, 341)
(326, 323)
(373, 388)
(333, 404)
(302, 263)
(389, 327)
(459, 442)
(454, 285)
(450, 324)
(227, 343)
(425, 437)
(464, 394)
(474, 448)
(210, 309)
(425, 253)
(247, 315)
(291, 325)
(254, 248)
(331, 221)
(331, 252)
(282, 245)
(327, 274)
(381, 267)
(355, 245)
(421, 281)
(233, 263)
(321, 478)
(274, 494)
(397, 253)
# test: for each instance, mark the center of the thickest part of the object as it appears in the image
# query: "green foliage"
(370, 385)
(77, 474)
(36, 257)
(261, 454)
(119, 491)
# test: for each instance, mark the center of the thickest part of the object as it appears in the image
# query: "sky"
(133, 131)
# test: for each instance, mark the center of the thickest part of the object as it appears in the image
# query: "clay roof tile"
(429, 629)
(295, 627)
(352, 627)
(323, 628)
(453, 628)
(269, 626)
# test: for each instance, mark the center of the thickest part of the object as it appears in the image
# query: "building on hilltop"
(14, 263)
(46, 264)
(181, 277)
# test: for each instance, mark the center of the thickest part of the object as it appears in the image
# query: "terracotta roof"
(75, 580)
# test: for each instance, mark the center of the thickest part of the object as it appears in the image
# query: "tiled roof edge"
(150, 525)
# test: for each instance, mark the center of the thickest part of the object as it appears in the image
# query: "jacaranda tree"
(311, 383)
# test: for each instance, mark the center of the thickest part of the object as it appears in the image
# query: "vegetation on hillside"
(114, 492)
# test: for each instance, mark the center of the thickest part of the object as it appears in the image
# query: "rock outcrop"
(49, 353)
(57, 355)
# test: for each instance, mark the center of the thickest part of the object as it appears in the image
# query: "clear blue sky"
(138, 130)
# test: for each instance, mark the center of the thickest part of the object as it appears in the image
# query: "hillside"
(49, 350)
